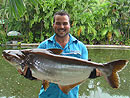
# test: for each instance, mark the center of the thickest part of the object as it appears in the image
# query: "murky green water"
(13, 85)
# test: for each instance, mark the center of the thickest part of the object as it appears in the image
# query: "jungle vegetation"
(92, 21)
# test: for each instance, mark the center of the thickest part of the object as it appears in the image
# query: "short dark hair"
(62, 13)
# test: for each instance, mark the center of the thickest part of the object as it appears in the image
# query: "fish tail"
(114, 67)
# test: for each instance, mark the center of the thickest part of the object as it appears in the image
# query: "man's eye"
(58, 23)
(65, 23)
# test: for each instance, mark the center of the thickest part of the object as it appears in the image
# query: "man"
(62, 39)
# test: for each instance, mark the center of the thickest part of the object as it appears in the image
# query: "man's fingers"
(20, 72)
(26, 73)
(25, 70)
(98, 73)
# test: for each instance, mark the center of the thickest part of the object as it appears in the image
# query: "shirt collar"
(52, 38)
(72, 39)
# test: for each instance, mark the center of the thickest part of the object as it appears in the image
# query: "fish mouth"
(7, 55)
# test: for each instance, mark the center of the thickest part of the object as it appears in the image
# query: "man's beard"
(58, 35)
(62, 36)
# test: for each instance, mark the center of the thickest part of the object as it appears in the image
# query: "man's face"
(61, 25)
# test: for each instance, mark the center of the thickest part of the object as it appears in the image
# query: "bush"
(93, 21)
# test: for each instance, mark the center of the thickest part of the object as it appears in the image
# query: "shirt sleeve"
(84, 54)
(42, 45)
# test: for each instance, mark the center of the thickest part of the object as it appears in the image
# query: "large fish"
(67, 72)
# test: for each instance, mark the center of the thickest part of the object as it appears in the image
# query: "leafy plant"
(92, 21)
(2, 36)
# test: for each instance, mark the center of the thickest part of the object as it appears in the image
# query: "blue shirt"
(73, 48)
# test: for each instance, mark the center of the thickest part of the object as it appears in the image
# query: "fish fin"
(45, 84)
(114, 67)
(55, 51)
(25, 51)
(65, 89)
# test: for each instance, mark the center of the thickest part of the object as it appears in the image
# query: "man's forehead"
(62, 18)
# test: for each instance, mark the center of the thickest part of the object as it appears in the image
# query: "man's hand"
(95, 73)
(27, 73)
(98, 73)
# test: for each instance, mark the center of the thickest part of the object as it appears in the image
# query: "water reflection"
(100, 94)
(8, 97)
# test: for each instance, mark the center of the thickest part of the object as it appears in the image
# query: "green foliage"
(30, 40)
(16, 8)
(2, 36)
(93, 21)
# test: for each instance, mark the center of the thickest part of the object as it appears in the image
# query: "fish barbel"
(66, 71)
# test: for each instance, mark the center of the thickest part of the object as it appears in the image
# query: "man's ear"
(53, 25)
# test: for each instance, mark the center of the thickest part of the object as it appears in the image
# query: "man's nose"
(61, 26)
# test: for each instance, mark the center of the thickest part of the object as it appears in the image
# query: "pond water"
(13, 85)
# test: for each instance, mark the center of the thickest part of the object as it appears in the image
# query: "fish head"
(14, 57)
